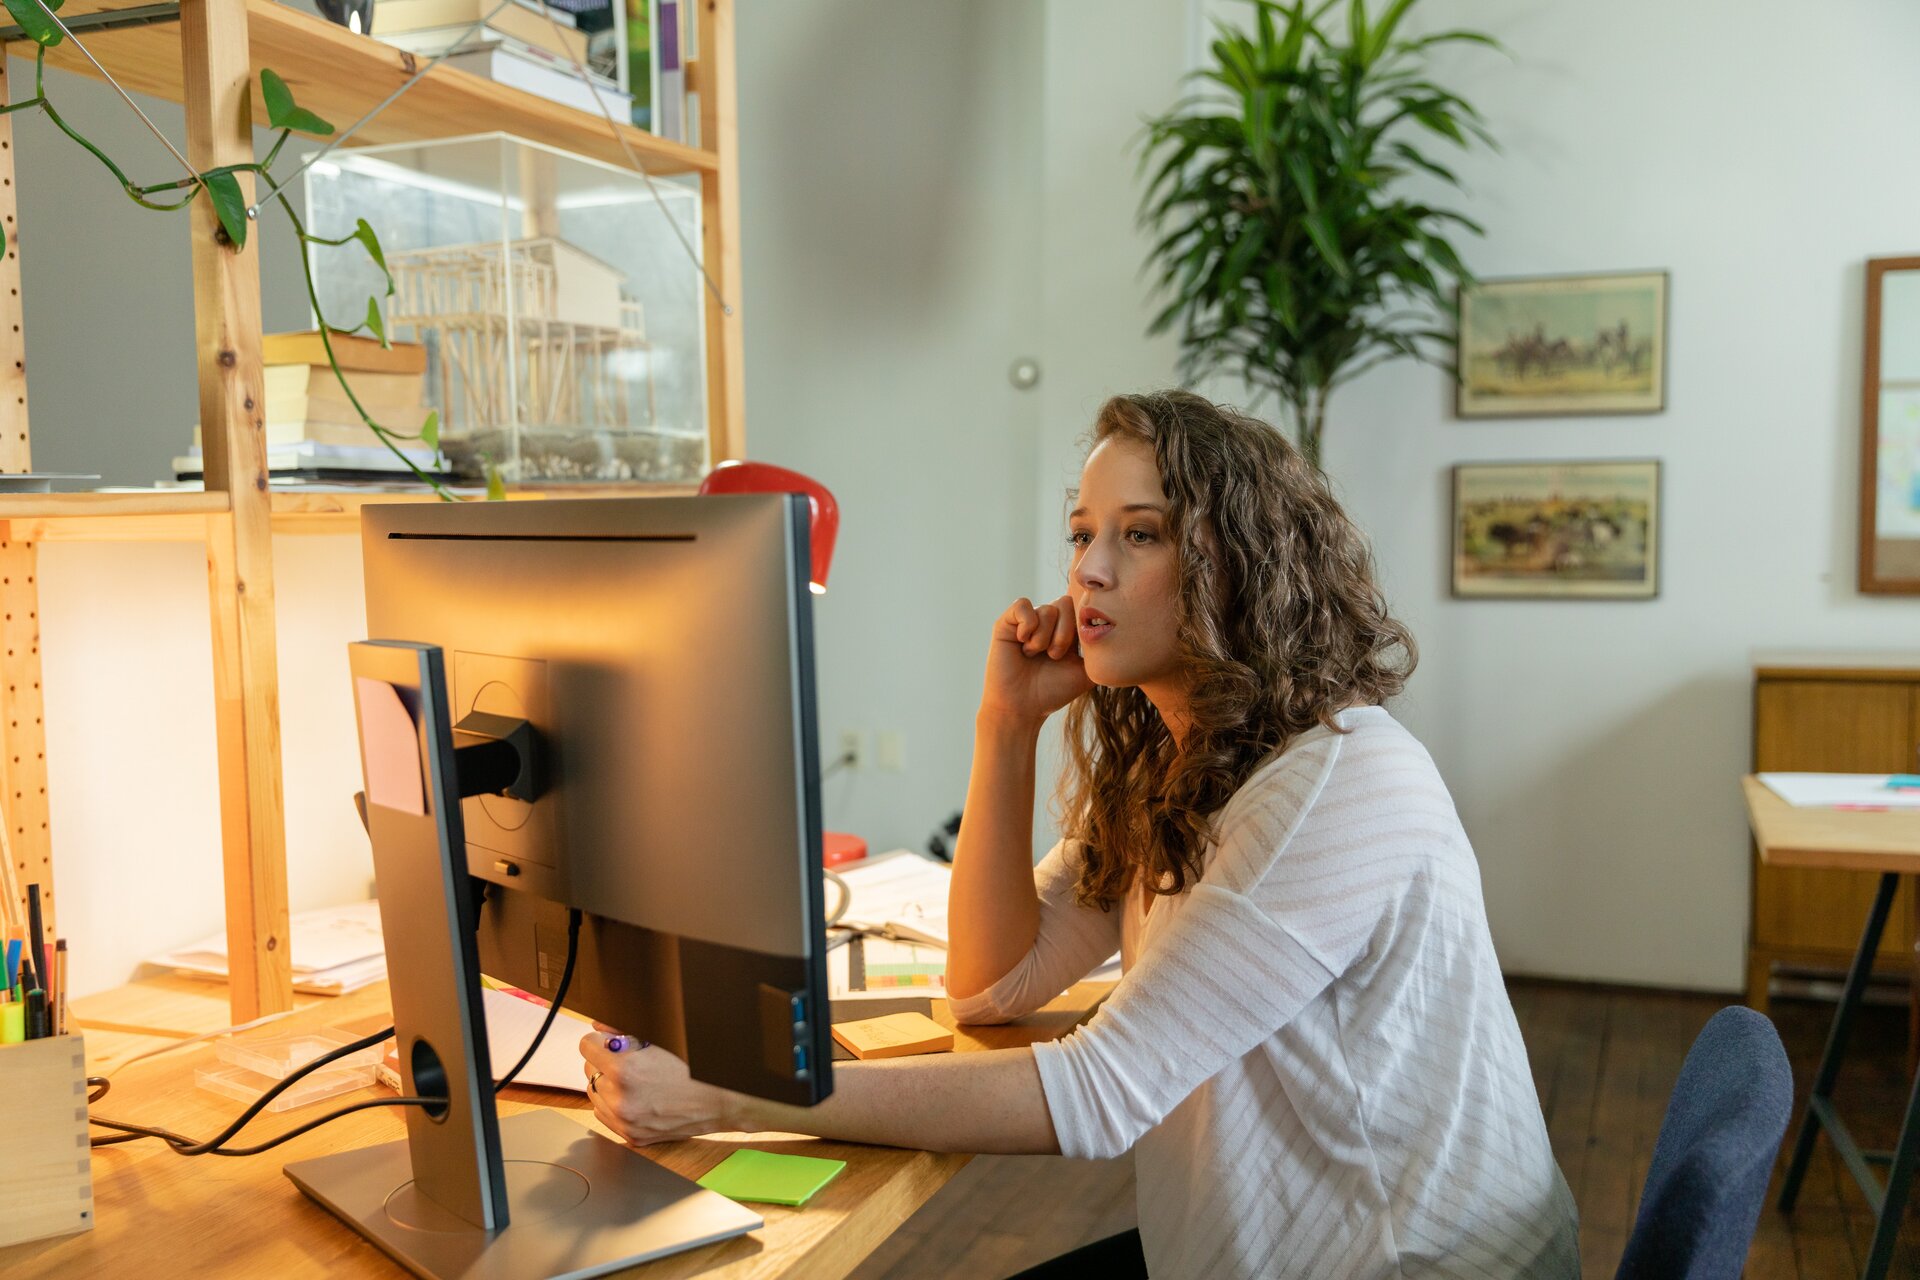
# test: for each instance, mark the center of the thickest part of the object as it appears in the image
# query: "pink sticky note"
(390, 748)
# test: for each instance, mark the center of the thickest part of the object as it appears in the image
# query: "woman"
(1311, 1052)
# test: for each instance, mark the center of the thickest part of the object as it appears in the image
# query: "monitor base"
(578, 1204)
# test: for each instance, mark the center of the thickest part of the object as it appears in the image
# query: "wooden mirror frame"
(1872, 580)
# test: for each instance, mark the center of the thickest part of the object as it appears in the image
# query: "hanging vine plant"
(221, 186)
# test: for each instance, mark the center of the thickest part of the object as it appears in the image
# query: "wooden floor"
(1603, 1061)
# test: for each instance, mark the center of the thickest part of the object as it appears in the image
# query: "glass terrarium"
(558, 299)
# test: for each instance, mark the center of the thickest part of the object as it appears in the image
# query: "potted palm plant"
(1286, 244)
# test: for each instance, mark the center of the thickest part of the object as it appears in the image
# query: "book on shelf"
(402, 15)
(325, 461)
(311, 390)
(513, 22)
(668, 39)
(525, 18)
(518, 65)
(355, 354)
(351, 432)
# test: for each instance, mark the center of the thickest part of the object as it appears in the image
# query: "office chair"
(1708, 1177)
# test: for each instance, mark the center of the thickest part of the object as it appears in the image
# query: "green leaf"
(496, 485)
(228, 205)
(282, 111)
(430, 431)
(33, 20)
(363, 232)
(376, 323)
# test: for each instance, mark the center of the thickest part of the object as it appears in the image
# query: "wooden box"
(46, 1167)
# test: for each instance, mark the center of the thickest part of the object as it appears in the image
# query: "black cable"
(190, 1147)
(553, 1008)
(183, 1145)
(186, 1146)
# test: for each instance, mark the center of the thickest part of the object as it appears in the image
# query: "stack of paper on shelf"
(420, 25)
(313, 429)
(517, 46)
(334, 950)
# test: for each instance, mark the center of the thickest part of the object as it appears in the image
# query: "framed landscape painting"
(1567, 530)
(1563, 345)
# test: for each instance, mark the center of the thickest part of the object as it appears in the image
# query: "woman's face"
(1125, 575)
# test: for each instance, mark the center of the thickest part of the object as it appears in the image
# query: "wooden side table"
(1887, 844)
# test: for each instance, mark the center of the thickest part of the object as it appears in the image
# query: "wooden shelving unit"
(209, 60)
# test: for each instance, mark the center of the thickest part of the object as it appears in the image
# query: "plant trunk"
(1310, 419)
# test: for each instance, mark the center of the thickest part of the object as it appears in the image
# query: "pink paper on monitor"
(390, 747)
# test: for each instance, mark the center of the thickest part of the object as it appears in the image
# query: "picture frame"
(1562, 530)
(1889, 562)
(1554, 346)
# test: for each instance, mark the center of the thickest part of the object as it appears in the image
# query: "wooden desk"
(1848, 840)
(159, 1215)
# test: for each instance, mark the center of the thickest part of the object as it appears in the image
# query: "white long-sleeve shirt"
(1310, 1052)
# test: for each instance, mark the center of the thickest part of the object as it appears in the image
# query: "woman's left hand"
(645, 1094)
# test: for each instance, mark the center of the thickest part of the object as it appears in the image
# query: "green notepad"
(769, 1178)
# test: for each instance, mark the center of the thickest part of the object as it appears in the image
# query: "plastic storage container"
(560, 301)
(249, 1067)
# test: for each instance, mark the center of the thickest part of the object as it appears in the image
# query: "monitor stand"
(468, 1196)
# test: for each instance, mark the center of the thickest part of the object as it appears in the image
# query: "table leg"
(1893, 1205)
(1913, 978)
(1837, 1038)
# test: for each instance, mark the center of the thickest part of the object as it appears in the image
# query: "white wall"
(132, 787)
(1593, 748)
(890, 154)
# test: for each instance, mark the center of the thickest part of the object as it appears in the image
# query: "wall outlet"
(890, 751)
(853, 749)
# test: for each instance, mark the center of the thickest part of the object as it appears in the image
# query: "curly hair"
(1280, 627)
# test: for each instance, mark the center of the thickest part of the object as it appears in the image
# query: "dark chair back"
(1708, 1177)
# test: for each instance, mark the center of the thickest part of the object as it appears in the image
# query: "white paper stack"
(1841, 790)
(334, 950)
(512, 1023)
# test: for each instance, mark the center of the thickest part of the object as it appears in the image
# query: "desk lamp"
(764, 477)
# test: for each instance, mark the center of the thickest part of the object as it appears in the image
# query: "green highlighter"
(771, 1179)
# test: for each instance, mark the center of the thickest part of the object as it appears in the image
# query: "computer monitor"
(594, 705)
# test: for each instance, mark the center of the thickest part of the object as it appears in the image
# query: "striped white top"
(1311, 1052)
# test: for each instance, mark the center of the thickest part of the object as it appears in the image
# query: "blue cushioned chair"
(1708, 1176)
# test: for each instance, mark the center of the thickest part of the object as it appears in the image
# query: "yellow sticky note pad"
(895, 1036)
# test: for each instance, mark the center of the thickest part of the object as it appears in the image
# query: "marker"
(37, 1026)
(58, 1014)
(36, 934)
(13, 1023)
(13, 961)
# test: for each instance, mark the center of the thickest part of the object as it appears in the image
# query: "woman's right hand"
(1033, 663)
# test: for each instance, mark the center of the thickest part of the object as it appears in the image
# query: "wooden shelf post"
(720, 232)
(218, 80)
(23, 739)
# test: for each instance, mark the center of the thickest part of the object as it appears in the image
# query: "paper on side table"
(1830, 790)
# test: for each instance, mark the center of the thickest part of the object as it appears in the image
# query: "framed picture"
(1890, 430)
(1563, 345)
(1561, 530)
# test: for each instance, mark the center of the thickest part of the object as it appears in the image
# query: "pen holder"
(46, 1166)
